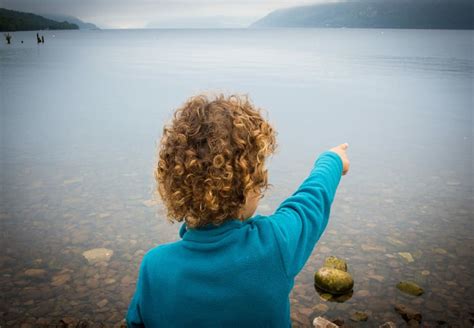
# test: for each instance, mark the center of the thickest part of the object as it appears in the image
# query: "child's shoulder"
(154, 254)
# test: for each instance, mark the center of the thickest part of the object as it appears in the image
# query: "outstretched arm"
(300, 220)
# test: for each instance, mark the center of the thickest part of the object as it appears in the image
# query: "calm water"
(81, 116)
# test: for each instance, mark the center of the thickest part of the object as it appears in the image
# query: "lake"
(82, 114)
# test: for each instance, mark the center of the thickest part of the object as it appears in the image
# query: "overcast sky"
(158, 13)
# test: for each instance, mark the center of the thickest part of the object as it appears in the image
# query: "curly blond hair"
(211, 156)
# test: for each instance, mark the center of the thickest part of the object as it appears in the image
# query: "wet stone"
(98, 255)
(321, 322)
(333, 281)
(410, 287)
(335, 263)
(408, 313)
(407, 256)
(376, 277)
(102, 303)
(60, 279)
(359, 316)
(35, 273)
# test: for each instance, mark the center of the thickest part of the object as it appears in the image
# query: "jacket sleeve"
(300, 220)
(134, 317)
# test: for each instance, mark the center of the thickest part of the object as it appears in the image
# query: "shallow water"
(81, 116)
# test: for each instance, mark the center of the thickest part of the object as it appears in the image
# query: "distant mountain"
(71, 19)
(415, 14)
(11, 20)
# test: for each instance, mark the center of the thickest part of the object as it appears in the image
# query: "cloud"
(164, 13)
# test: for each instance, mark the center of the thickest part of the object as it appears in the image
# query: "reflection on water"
(81, 115)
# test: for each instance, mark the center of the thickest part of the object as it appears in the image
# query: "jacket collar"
(210, 230)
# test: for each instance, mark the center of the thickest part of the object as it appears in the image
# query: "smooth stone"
(407, 256)
(333, 281)
(35, 273)
(98, 255)
(60, 279)
(321, 322)
(335, 263)
(102, 303)
(410, 287)
(359, 316)
(425, 273)
(377, 277)
(408, 313)
(388, 324)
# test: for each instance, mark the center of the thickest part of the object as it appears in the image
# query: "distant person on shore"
(8, 38)
(38, 39)
(42, 39)
(231, 268)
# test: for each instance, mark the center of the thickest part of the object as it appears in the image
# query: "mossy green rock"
(333, 281)
(410, 287)
(335, 263)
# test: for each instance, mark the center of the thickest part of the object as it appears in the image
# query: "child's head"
(211, 160)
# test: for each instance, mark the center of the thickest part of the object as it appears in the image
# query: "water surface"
(81, 116)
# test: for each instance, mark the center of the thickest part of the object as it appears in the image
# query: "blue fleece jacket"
(238, 274)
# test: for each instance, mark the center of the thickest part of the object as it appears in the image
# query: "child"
(230, 269)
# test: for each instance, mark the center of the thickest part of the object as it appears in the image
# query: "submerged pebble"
(410, 287)
(359, 316)
(98, 255)
(407, 313)
(321, 322)
(407, 256)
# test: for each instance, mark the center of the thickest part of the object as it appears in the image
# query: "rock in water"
(35, 273)
(333, 281)
(320, 322)
(335, 263)
(407, 256)
(359, 316)
(408, 314)
(410, 287)
(98, 255)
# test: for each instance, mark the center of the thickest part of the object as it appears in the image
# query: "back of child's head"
(211, 157)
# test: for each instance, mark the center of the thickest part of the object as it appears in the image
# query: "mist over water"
(81, 116)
